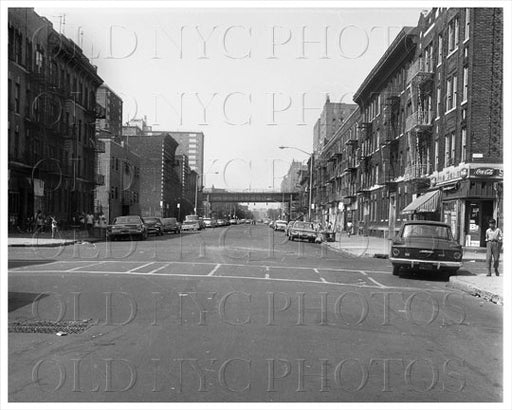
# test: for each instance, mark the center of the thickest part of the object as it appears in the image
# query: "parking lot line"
(187, 275)
(160, 268)
(214, 270)
(140, 267)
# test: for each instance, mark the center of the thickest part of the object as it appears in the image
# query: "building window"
(28, 52)
(439, 49)
(9, 91)
(447, 144)
(465, 85)
(17, 48)
(466, 26)
(17, 98)
(451, 93)
(463, 142)
(39, 60)
(16, 141)
(453, 34)
(429, 59)
(452, 151)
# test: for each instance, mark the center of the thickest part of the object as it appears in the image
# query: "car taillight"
(395, 252)
(457, 255)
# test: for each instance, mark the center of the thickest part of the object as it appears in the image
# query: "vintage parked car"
(210, 223)
(280, 225)
(288, 227)
(426, 245)
(154, 225)
(129, 226)
(190, 226)
(171, 225)
(303, 230)
(233, 221)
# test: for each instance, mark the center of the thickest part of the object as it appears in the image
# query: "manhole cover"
(50, 327)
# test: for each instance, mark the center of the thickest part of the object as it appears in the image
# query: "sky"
(250, 79)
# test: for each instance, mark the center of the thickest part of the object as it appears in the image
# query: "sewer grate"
(50, 327)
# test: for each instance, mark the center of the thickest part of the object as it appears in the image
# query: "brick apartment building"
(331, 118)
(119, 195)
(427, 139)
(159, 181)
(51, 116)
(112, 107)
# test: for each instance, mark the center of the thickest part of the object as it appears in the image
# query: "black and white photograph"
(255, 204)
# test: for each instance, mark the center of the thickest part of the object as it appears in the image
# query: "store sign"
(463, 171)
(486, 172)
(448, 174)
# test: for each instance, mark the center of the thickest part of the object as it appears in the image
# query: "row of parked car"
(295, 229)
(139, 227)
(419, 244)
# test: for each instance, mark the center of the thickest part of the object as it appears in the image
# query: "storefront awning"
(428, 202)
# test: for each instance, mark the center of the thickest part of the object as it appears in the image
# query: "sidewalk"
(45, 239)
(488, 288)
(371, 246)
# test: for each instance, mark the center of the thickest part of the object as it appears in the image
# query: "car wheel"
(396, 270)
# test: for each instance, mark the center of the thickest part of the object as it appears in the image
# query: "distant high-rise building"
(333, 114)
(192, 145)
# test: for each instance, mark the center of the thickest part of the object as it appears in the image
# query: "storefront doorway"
(477, 221)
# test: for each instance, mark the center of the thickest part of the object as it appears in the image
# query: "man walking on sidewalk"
(494, 238)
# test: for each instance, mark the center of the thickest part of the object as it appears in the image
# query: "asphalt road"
(241, 314)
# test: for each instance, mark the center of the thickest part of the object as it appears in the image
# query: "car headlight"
(457, 255)
(395, 252)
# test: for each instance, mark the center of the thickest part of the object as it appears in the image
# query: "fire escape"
(389, 143)
(419, 123)
(349, 169)
(364, 154)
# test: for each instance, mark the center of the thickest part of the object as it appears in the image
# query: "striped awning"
(428, 202)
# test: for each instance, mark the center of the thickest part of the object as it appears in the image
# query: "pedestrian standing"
(82, 221)
(89, 218)
(54, 226)
(349, 228)
(494, 238)
(39, 221)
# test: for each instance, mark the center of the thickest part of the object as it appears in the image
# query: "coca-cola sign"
(487, 172)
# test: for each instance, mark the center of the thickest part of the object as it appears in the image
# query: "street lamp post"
(310, 184)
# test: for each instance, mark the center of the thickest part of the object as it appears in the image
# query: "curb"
(474, 290)
(53, 245)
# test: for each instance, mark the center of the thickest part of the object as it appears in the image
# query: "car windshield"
(303, 225)
(169, 220)
(427, 231)
(127, 220)
(151, 219)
